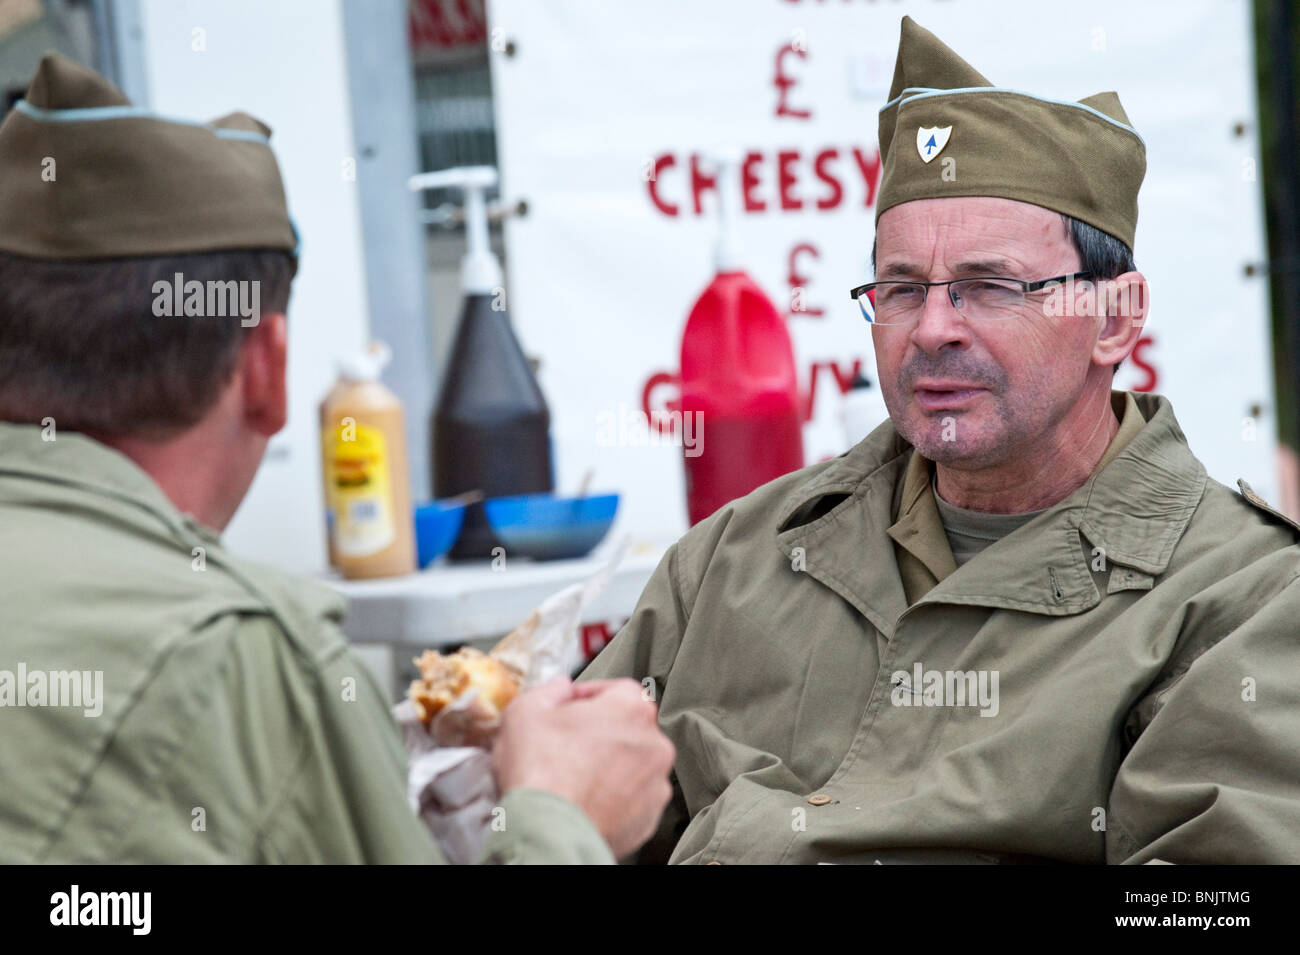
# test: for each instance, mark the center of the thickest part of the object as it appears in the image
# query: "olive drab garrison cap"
(948, 131)
(86, 175)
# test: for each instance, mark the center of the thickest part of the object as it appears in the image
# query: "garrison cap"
(1081, 158)
(86, 175)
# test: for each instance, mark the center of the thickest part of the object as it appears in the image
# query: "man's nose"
(939, 323)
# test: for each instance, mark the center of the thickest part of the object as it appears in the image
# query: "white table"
(454, 603)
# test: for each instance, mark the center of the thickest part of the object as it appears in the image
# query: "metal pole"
(381, 83)
(1285, 268)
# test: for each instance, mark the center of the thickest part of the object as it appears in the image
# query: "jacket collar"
(76, 461)
(1134, 511)
(919, 529)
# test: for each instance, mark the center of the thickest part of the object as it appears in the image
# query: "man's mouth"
(940, 396)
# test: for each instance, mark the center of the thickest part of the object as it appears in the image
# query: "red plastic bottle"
(739, 390)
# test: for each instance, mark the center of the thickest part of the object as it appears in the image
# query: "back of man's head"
(145, 266)
(80, 342)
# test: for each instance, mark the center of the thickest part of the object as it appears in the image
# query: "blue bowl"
(437, 526)
(546, 527)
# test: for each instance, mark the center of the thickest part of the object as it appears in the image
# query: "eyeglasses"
(978, 299)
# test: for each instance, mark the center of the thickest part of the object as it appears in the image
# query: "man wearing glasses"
(1018, 621)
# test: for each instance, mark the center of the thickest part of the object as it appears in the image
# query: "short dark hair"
(1100, 253)
(80, 341)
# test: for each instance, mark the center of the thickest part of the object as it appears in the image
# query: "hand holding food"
(597, 745)
(478, 725)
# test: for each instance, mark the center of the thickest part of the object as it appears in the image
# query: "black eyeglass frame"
(1025, 287)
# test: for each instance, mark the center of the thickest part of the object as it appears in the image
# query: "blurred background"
(619, 133)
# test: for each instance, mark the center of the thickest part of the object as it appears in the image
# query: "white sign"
(606, 113)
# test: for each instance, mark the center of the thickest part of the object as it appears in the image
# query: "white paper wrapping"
(450, 785)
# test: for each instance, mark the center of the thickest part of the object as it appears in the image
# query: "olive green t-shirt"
(969, 532)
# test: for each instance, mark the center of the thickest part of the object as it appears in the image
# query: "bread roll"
(444, 678)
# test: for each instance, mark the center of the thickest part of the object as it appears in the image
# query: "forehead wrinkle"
(966, 237)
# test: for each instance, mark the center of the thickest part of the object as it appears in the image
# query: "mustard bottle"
(368, 517)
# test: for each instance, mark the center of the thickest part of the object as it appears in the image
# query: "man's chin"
(946, 438)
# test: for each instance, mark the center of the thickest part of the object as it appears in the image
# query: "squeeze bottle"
(369, 521)
(738, 378)
(491, 427)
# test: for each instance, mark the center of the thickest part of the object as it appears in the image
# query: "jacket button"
(819, 799)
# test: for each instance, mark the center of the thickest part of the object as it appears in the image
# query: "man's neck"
(1031, 483)
(204, 471)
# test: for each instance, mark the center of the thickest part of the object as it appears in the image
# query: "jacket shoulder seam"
(1247, 493)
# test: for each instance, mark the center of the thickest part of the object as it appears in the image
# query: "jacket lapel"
(1131, 514)
(833, 526)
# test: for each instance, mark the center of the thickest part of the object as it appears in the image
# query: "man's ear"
(1125, 301)
(264, 364)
